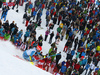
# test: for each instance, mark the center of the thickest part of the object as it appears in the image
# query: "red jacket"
(77, 66)
(43, 6)
(59, 18)
(54, 13)
(33, 9)
(95, 73)
(67, 64)
(97, 54)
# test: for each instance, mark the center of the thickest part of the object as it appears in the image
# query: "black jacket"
(25, 15)
(27, 18)
(80, 70)
(12, 25)
(51, 35)
(29, 27)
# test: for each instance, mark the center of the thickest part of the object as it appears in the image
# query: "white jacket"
(92, 66)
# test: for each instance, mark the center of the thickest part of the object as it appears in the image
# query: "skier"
(29, 53)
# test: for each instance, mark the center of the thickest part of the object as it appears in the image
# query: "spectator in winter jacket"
(84, 62)
(16, 3)
(40, 43)
(95, 73)
(40, 38)
(24, 17)
(59, 19)
(47, 13)
(26, 6)
(30, 7)
(59, 29)
(72, 53)
(86, 68)
(29, 27)
(33, 9)
(83, 54)
(51, 36)
(99, 71)
(27, 34)
(6, 26)
(2, 34)
(81, 70)
(58, 57)
(77, 66)
(7, 36)
(46, 35)
(20, 33)
(39, 14)
(47, 20)
(16, 37)
(12, 25)
(92, 66)
(27, 20)
(54, 20)
(34, 14)
(1, 29)
(68, 43)
(63, 68)
(95, 60)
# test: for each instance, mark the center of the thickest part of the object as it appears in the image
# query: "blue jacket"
(40, 5)
(96, 13)
(40, 14)
(27, 33)
(15, 38)
(72, 52)
(87, 66)
(1, 29)
(52, 7)
(20, 34)
(70, 11)
(47, 12)
(34, 13)
(97, 34)
(97, 3)
(63, 69)
(70, 34)
(84, 61)
(83, 54)
(97, 69)
(75, 29)
(88, 45)
(2, 34)
(30, 6)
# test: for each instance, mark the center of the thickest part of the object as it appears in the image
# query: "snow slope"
(10, 65)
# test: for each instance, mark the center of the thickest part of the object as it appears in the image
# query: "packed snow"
(10, 65)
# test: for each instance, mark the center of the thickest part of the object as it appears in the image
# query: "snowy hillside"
(10, 65)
